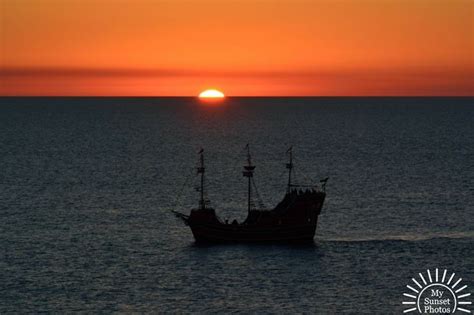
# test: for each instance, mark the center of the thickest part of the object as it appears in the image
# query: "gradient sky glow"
(241, 47)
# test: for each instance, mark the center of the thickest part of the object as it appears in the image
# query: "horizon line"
(238, 96)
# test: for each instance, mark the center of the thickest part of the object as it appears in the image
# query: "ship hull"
(226, 233)
(294, 219)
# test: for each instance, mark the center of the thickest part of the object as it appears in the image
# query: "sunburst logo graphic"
(445, 295)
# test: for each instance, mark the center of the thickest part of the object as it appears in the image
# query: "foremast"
(248, 172)
(289, 166)
(200, 170)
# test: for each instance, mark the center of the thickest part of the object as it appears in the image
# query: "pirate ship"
(293, 219)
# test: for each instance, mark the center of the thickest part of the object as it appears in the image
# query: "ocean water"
(87, 185)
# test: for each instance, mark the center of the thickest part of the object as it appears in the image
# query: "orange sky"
(243, 47)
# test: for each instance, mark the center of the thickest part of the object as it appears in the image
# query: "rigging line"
(179, 195)
(282, 172)
(237, 164)
(297, 172)
(307, 179)
(259, 198)
(206, 195)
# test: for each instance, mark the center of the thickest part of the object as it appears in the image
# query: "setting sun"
(211, 93)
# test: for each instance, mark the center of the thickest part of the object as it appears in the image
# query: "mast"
(289, 166)
(248, 172)
(200, 170)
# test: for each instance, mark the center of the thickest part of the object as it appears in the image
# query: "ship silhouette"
(293, 219)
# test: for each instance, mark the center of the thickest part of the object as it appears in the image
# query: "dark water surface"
(86, 186)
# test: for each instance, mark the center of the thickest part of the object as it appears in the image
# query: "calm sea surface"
(86, 186)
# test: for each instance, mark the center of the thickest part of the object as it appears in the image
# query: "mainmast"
(200, 170)
(289, 166)
(248, 172)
